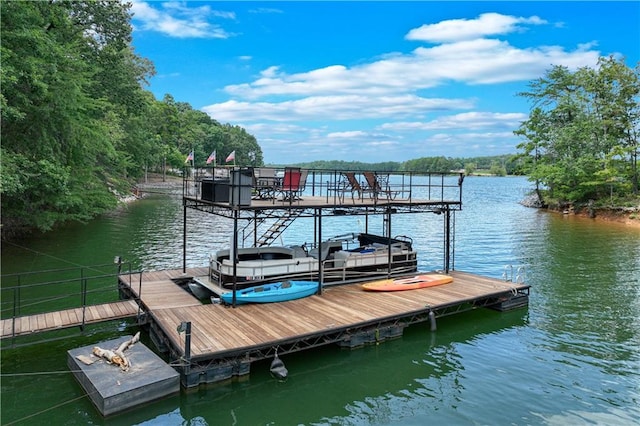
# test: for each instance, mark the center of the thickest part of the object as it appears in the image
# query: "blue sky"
(373, 81)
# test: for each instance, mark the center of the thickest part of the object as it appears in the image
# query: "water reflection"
(371, 385)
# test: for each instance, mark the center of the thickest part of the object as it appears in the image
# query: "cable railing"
(38, 292)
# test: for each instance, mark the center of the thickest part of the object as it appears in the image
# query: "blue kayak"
(274, 292)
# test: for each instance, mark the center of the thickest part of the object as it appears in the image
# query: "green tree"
(68, 77)
(582, 130)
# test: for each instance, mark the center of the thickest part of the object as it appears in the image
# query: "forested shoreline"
(79, 128)
(581, 138)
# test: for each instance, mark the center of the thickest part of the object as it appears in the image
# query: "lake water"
(571, 357)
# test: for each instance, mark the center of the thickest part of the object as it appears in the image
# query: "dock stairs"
(278, 227)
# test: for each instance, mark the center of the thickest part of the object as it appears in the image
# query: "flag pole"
(193, 167)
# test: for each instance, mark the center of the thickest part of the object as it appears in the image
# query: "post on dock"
(234, 247)
(184, 235)
(387, 231)
(320, 259)
(447, 238)
(185, 327)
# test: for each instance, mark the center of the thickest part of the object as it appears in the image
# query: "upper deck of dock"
(249, 190)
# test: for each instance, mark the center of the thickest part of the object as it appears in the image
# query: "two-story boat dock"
(211, 342)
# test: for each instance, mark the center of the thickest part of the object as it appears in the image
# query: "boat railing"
(258, 269)
(345, 268)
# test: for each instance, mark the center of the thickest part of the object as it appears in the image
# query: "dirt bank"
(629, 218)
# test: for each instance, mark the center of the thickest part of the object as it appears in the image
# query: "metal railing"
(331, 184)
(31, 293)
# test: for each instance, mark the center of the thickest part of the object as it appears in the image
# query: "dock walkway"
(75, 317)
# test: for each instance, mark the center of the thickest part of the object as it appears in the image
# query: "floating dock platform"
(224, 341)
(113, 390)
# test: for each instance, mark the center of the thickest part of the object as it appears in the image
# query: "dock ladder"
(278, 227)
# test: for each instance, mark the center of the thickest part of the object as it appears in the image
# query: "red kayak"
(411, 283)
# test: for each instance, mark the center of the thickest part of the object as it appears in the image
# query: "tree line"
(498, 165)
(77, 124)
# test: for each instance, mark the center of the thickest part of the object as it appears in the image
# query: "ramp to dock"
(158, 289)
(49, 321)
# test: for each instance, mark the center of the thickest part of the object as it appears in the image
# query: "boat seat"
(286, 284)
(324, 251)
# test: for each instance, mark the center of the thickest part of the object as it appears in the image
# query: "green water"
(571, 357)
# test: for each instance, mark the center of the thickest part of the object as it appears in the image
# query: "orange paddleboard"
(411, 283)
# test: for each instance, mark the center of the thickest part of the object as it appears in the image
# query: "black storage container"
(215, 190)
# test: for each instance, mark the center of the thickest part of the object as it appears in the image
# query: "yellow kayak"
(411, 283)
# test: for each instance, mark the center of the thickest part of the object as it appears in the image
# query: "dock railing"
(243, 184)
(40, 292)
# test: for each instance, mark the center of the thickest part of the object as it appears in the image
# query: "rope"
(48, 409)
(53, 257)
(85, 394)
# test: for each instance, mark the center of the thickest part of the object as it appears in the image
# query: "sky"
(373, 81)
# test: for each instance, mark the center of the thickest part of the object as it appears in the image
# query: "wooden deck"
(75, 317)
(219, 330)
(159, 291)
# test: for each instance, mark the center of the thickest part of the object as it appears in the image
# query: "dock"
(224, 341)
(213, 342)
(68, 318)
(216, 342)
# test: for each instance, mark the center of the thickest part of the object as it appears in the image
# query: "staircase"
(278, 227)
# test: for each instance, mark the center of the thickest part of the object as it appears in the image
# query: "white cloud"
(265, 10)
(319, 108)
(381, 106)
(487, 24)
(467, 120)
(478, 61)
(346, 135)
(175, 19)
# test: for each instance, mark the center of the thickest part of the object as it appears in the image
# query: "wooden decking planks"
(219, 329)
(166, 274)
(159, 291)
(68, 318)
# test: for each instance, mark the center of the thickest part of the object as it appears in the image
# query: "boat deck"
(220, 333)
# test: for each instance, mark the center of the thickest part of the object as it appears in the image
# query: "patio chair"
(378, 184)
(349, 183)
(264, 182)
(303, 183)
(290, 184)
